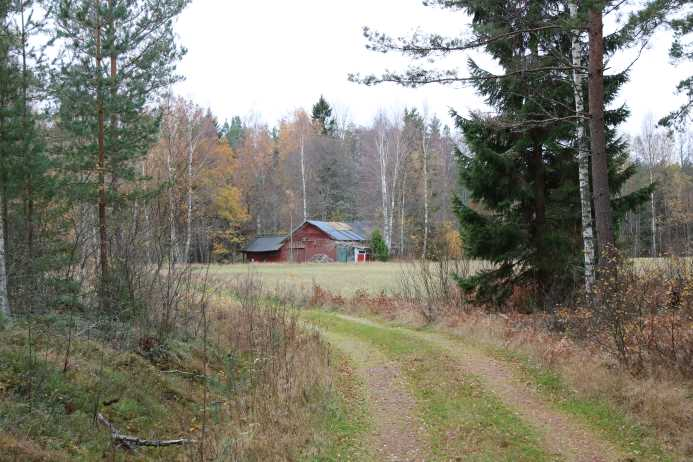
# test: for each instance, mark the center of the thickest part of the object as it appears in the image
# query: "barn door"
(299, 255)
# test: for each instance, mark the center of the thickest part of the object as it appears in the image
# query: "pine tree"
(681, 50)
(119, 55)
(9, 78)
(322, 117)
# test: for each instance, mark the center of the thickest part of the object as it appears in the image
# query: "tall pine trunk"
(600, 171)
(101, 166)
(28, 151)
(583, 158)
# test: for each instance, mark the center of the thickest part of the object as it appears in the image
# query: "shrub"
(642, 316)
(378, 246)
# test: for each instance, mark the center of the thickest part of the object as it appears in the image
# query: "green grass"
(599, 414)
(47, 413)
(345, 421)
(465, 421)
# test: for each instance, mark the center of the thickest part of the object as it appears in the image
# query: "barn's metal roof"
(337, 230)
(265, 244)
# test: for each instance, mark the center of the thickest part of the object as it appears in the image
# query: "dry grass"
(246, 387)
(663, 404)
(338, 278)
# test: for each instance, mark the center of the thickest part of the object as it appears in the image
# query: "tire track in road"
(561, 434)
(398, 432)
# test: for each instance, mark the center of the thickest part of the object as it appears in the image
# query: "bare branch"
(130, 442)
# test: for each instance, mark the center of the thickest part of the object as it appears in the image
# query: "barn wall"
(309, 241)
(263, 257)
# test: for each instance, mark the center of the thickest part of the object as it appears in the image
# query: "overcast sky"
(265, 58)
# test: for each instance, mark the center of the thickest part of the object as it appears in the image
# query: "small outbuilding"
(265, 249)
(319, 241)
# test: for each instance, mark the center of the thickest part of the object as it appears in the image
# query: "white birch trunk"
(188, 230)
(4, 301)
(303, 176)
(637, 234)
(583, 159)
(653, 222)
(424, 146)
(401, 217)
(381, 146)
(393, 186)
(173, 254)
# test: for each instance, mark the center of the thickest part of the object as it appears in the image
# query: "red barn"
(313, 241)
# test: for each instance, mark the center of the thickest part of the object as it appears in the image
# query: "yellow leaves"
(228, 205)
(451, 240)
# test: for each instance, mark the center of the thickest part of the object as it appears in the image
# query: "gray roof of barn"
(265, 244)
(338, 231)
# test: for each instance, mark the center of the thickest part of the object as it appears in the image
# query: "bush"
(642, 316)
(378, 246)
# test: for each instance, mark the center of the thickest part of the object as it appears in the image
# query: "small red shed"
(264, 249)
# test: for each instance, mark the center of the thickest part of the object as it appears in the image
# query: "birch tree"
(425, 156)
(654, 148)
(399, 154)
(382, 147)
(583, 156)
(303, 128)
(169, 135)
(195, 129)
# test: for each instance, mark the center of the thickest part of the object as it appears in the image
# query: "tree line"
(104, 175)
(398, 173)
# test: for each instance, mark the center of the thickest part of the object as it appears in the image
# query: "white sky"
(264, 58)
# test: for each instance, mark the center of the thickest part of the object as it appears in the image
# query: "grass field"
(346, 279)
(338, 278)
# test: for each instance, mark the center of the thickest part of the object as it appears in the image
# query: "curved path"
(433, 397)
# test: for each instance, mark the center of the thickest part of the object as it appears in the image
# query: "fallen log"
(130, 442)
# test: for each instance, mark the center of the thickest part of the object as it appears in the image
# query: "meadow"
(338, 278)
(346, 279)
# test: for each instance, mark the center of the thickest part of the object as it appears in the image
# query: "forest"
(546, 252)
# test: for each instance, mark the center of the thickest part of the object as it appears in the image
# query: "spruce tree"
(118, 57)
(378, 246)
(234, 131)
(322, 117)
(522, 171)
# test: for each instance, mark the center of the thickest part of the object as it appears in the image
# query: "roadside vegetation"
(641, 401)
